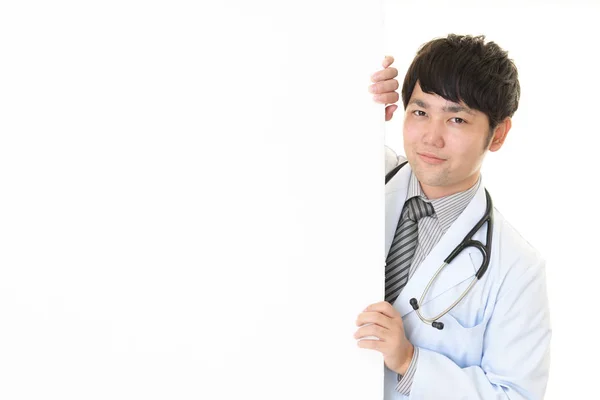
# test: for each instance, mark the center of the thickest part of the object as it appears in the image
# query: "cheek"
(410, 132)
(468, 152)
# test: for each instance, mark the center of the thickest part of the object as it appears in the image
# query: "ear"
(500, 134)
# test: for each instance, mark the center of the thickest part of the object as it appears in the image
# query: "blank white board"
(191, 199)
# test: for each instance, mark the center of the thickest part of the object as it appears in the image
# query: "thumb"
(389, 112)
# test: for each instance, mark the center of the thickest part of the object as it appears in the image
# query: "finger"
(385, 308)
(386, 98)
(384, 75)
(387, 61)
(372, 330)
(384, 87)
(373, 318)
(371, 344)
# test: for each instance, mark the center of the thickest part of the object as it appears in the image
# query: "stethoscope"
(486, 251)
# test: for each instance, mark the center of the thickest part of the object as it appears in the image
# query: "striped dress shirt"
(431, 229)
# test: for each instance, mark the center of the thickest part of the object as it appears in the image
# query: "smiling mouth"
(430, 159)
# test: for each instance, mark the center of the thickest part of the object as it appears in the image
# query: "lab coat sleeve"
(391, 159)
(515, 361)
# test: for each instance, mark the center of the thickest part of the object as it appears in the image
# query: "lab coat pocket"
(470, 314)
(464, 344)
(461, 340)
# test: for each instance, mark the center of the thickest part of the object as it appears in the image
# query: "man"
(459, 95)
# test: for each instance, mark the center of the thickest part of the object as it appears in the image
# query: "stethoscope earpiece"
(438, 325)
(414, 303)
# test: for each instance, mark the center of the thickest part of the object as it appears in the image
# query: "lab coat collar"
(462, 267)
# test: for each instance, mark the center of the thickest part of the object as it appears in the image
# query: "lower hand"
(386, 324)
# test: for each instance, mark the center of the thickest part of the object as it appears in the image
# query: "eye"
(419, 113)
(459, 120)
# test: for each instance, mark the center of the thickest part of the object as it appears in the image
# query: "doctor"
(459, 95)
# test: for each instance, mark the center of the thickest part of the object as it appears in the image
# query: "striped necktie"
(397, 265)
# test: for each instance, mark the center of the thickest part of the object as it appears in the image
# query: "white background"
(190, 199)
(545, 178)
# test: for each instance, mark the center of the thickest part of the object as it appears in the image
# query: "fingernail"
(372, 88)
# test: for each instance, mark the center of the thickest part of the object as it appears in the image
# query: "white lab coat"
(495, 343)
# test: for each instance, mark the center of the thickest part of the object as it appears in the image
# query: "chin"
(434, 181)
(431, 178)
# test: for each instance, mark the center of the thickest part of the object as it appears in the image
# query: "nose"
(434, 133)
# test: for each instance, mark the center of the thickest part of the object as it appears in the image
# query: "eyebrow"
(452, 109)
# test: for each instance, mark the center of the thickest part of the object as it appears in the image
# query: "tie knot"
(418, 208)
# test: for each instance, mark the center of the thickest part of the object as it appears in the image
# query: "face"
(445, 142)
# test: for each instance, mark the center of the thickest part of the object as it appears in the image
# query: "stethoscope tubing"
(466, 242)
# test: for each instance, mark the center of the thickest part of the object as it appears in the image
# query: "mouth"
(430, 158)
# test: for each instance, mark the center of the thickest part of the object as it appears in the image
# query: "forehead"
(423, 99)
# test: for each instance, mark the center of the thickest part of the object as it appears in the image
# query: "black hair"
(464, 68)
